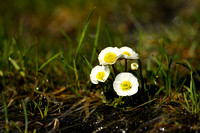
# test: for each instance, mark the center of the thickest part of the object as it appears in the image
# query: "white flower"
(99, 74)
(125, 84)
(134, 66)
(128, 53)
(109, 55)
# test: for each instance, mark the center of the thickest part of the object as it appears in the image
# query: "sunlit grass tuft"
(191, 97)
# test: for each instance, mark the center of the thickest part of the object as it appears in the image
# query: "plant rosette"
(128, 53)
(99, 74)
(109, 55)
(125, 84)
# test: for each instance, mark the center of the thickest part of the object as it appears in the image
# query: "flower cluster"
(125, 83)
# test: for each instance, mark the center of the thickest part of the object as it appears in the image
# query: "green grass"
(192, 98)
(96, 40)
(160, 66)
(48, 61)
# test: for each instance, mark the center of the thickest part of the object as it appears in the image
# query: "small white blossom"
(125, 84)
(128, 53)
(99, 74)
(109, 55)
(134, 66)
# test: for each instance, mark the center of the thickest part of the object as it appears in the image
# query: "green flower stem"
(101, 87)
(114, 70)
(126, 62)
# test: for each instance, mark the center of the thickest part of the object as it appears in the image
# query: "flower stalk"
(126, 62)
(114, 70)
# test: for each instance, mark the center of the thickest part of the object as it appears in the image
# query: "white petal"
(107, 50)
(97, 69)
(133, 55)
(93, 79)
(125, 76)
(134, 66)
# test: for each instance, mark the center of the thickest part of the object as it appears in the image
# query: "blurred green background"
(42, 18)
(176, 21)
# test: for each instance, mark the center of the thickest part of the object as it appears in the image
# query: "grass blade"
(5, 107)
(139, 61)
(36, 57)
(181, 85)
(48, 61)
(140, 44)
(109, 36)
(66, 65)
(83, 34)
(46, 109)
(154, 75)
(26, 117)
(16, 66)
(5, 111)
(88, 63)
(157, 93)
(162, 68)
(96, 39)
(78, 48)
(191, 68)
(169, 77)
(187, 104)
(64, 62)
(42, 116)
(70, 42)
(16, 126)
(194, 94)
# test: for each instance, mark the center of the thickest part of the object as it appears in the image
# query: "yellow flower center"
(110, 57)
(100, 75)
(126, 85)
(134, 65)
(126, 53)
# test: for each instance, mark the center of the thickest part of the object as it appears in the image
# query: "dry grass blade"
(59, 91)
(87, 104)
(56, 124)
(74, 106)
(141, 105)
(10, 102)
